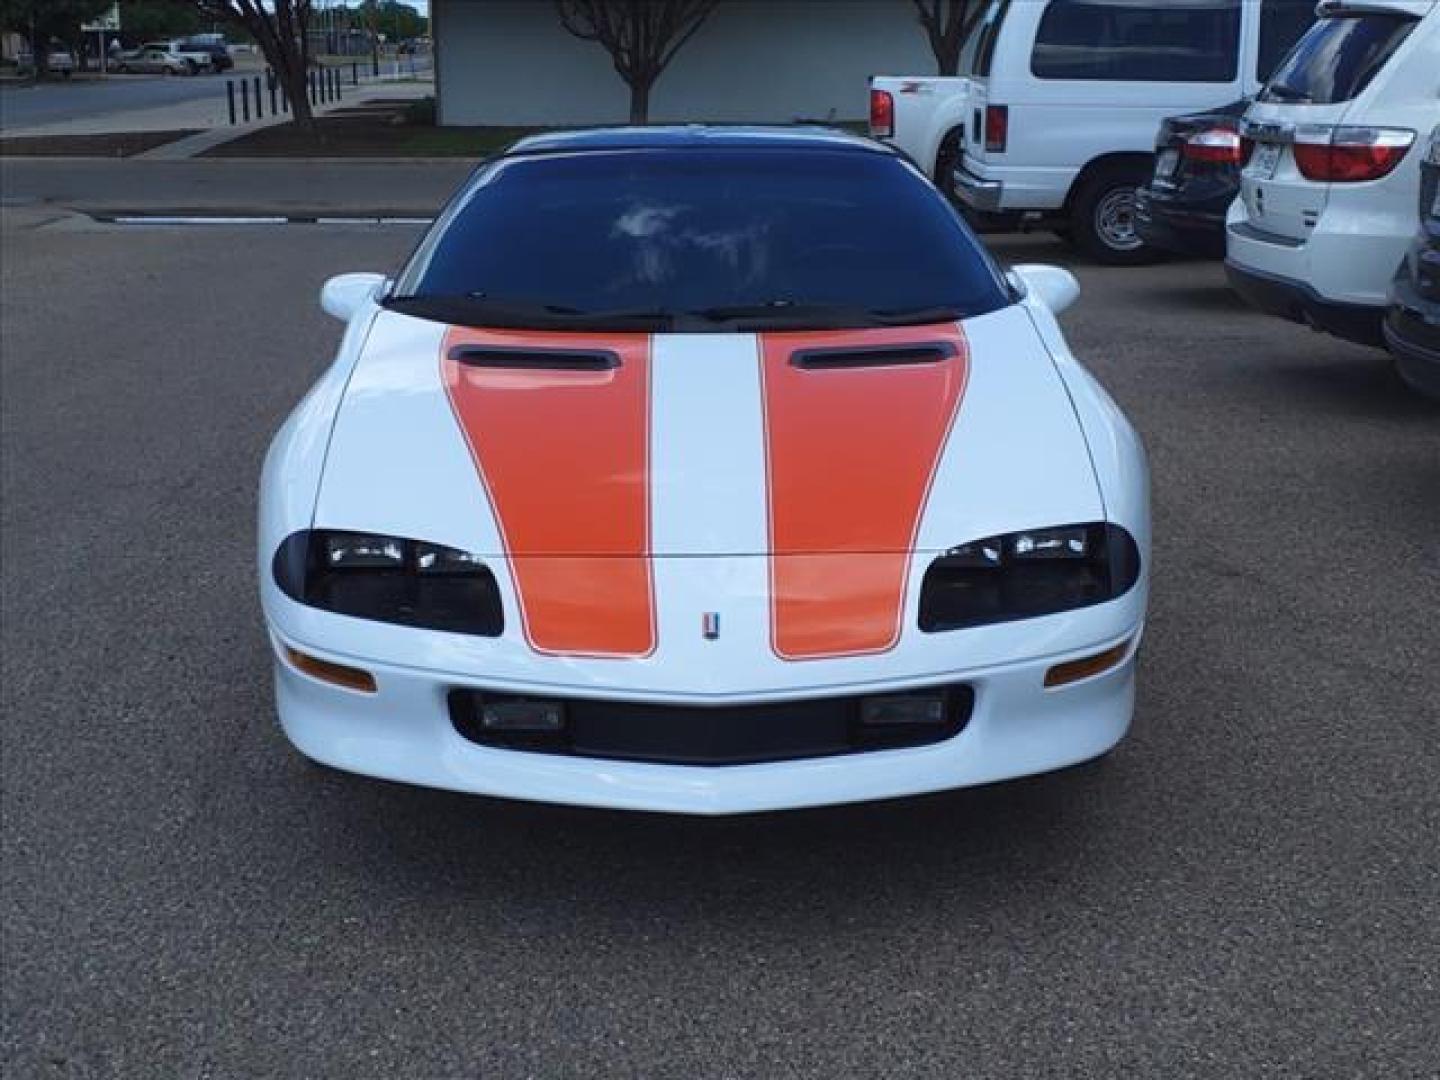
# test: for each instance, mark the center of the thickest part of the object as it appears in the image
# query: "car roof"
(698, 136)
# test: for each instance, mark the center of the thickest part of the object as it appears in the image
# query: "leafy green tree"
(147, 20)
(40, 21)
(396, 20)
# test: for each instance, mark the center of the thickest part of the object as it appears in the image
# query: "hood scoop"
(522, 358)
(872, 356)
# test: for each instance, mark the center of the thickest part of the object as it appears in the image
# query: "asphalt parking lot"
(1249, 886)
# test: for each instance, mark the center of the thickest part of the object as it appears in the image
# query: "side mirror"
(1053, 286)
(345, 294)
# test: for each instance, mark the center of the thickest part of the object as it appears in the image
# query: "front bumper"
(404, 732)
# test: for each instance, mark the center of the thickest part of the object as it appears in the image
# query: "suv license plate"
(1165, 164)
(1264, 160)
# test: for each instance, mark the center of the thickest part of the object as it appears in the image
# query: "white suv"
(1053, 118)
(1327, 196)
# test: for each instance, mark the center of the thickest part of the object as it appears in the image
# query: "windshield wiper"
(786, 314)
(482, 311)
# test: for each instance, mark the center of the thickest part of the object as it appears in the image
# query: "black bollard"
(230, 93)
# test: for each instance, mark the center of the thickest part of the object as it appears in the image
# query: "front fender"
(290, 477)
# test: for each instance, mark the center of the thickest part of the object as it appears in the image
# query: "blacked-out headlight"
(390, 579)
(1026, 574)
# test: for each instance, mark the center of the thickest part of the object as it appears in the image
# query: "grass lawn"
(123, 144)
(391, 129)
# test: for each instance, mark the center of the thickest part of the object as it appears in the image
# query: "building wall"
(511, 62)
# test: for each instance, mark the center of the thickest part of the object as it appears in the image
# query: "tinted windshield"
(700, 239)
(1337, 58)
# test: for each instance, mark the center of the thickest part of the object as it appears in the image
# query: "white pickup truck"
(1053, 118)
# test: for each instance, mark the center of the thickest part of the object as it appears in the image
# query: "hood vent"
(867, 356)
(518, 358)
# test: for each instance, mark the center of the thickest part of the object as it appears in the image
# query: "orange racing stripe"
(851, 453)
(564, 456)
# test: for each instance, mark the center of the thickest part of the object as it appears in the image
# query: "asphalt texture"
(1248, 887)
(102, 187)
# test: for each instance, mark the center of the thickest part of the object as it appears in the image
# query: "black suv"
(220, 58)
(1412, 325)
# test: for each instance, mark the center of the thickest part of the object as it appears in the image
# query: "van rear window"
(1130, 41)
(1337, 58)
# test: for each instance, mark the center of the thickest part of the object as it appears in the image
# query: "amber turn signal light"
(1075, 670)
(340, 675)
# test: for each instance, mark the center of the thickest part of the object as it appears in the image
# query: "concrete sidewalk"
(212, 116)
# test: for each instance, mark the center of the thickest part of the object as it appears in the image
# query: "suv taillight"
(1348, 155)
(997, 128)
(882, 114)
(1215, 146)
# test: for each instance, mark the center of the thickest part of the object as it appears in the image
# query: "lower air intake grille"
(730, 735)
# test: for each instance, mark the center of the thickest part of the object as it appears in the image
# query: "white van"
(1055, 113)
(1335, 141)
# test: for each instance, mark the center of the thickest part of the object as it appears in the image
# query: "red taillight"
(1351, 154)
(882, 114)
(997, 128)
(1216, 146)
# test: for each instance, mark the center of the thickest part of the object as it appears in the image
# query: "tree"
(948, 24)
(641, 36)
(396, 20)
(38, 21)
(147, 20)
(279, 27)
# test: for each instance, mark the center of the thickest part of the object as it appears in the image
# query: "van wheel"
(946, 158)
(1102, 218)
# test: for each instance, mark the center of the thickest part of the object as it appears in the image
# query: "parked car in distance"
(152, 61)
(1412, 326)
(1327, 195)
(1053, 119)
(1197, 176)
(58, 61)
(212, 45)
(195, 60)
(1198, 156)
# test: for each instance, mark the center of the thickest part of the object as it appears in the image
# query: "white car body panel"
(1343, 241)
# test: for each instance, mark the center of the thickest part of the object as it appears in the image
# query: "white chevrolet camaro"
(704, 470)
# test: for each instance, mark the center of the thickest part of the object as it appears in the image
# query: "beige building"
(511, 62)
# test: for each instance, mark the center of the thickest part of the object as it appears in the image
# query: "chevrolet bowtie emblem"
(710, 625)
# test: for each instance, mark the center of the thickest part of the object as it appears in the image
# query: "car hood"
(615, 482)
(541, 444)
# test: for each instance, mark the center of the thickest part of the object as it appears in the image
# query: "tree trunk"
(947, 59)
(295, 80)
(640, 102)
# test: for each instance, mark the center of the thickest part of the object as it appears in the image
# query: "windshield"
(686, 239)
(1337, 58)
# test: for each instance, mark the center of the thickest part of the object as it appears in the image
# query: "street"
(1249, 886)
(27, 106)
